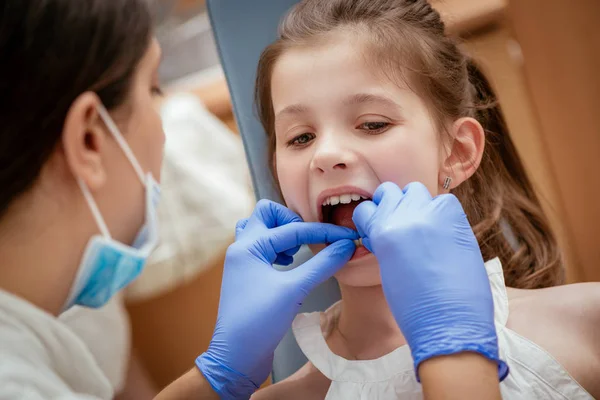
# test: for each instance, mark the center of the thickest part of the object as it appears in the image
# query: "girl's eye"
(301, 140)
(374, 127)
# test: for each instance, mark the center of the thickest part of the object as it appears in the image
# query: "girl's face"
(342, 130)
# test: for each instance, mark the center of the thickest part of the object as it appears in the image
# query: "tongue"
(342, 215)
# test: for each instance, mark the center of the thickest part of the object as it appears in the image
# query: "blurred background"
(543, 57)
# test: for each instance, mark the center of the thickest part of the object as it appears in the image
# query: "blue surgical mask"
(107, 265)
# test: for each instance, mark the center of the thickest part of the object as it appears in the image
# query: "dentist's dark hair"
(52, 51)
(405, 40)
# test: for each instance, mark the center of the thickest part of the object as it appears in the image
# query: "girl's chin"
(361, 271)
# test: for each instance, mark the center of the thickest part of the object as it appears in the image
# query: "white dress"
(534, 373)
(42, 358)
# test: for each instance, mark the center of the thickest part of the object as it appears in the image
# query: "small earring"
(447, 183)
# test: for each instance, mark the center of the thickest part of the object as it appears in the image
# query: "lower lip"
(360, 253)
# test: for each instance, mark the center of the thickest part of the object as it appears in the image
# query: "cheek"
(150, 137)
(408, 158)
(292, 174)
(158, 146)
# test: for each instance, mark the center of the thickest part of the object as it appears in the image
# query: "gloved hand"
(432, 272)
(258, 303)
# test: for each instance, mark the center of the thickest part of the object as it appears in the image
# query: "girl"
(358, 92)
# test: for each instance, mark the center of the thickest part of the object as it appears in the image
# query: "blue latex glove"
(432, 272)
(258, 303)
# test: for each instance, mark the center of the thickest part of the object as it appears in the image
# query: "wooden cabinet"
(560, 42)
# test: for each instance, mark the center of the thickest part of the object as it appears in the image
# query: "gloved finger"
(416, 192)
(287, 237)
(239, 227)
(449, 202)
(386, 188)
(362, 216)
(323, 265)
(292, 252)
(270, 214)
(387, 197)
(283, 259)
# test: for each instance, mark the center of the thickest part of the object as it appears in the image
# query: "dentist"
(80, 157)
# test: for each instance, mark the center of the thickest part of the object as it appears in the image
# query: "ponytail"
(502, 205)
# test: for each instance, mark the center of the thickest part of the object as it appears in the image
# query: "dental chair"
(242, 29)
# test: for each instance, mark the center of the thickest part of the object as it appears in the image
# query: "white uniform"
(534, 373)
(107, 334)
(42, 358)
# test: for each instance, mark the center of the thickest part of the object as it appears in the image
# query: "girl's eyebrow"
(294, 109)
(356, 99)
(367, 98)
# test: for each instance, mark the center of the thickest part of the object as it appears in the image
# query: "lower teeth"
(358, 242)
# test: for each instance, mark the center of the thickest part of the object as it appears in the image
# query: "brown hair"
(499, 197)
(51, 52)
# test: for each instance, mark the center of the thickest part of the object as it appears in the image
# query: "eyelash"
(295, 141)
(385, 126)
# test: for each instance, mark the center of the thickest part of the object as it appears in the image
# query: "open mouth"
(338, 210)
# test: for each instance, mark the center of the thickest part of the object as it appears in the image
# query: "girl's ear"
(465, 153)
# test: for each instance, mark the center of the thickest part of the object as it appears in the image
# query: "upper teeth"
(344, 199)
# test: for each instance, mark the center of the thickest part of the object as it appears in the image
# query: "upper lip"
(338, 191)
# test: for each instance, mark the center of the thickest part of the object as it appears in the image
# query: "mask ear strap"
(122, 142)
(94, 208)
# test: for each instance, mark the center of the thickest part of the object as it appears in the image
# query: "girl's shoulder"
(564, 321)
(577, 303)
(306, 384)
